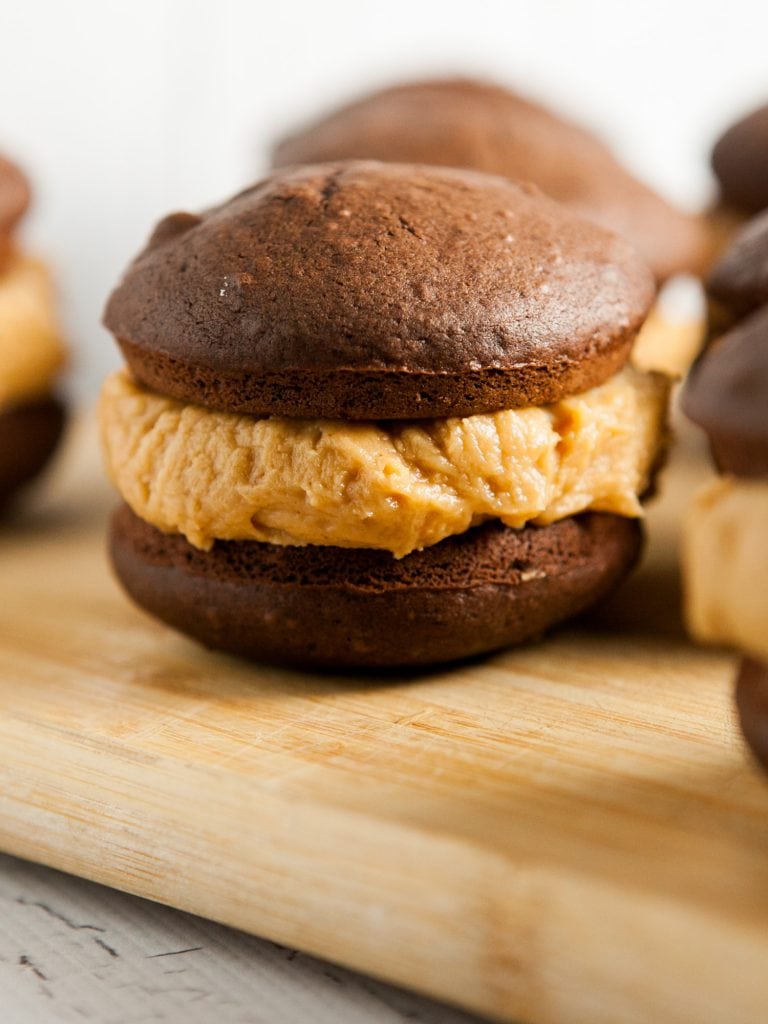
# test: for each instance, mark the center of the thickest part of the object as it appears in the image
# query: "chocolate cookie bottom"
(752, 704)
(29, 434)
(354, 608)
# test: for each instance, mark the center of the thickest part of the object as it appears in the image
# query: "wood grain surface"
(570, 832)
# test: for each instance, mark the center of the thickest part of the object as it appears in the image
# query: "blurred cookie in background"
(14, 200)
(740, 163)
(738, 283)
(480, 125)
(752, 703)
(32, 352)
(483, 126)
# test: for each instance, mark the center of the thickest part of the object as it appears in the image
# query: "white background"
(121, 111)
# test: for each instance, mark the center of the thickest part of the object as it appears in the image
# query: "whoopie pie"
(378, 415)
(726, 544)
(31, 349)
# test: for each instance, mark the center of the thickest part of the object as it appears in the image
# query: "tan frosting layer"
(31, 348)
(399, 486)
(725, 557)
(669, 340)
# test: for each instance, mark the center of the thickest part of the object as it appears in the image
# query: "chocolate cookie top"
(740, 162)
(14, 195)
(727, 395)
(365, 291)
(464, 123)
(739, 280)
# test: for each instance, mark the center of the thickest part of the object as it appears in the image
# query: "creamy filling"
(673, 332)
(725, 556)
(396, 486)
(31, 348)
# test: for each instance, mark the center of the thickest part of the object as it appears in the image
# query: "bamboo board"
(566, 833)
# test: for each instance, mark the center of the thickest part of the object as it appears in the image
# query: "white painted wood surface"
(73, 951)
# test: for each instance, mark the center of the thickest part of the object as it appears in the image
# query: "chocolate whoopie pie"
(378, 415)
(482, 126)
(31, 350)
(726, 544)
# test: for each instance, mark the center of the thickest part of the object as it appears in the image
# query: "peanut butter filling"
(396, 486)
(671, 337)
(31, 348)
(725, 555)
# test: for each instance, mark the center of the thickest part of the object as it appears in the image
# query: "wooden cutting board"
(566, 833)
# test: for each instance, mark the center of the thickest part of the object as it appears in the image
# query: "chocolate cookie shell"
(357, 608)
(740, 162)
(752, 704)
(14, 196)
(479, 125)
(29, 434)
(379, 291)
(727, 393)
(738, 282)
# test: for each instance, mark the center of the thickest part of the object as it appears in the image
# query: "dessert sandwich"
(378, 415)
(31, 350)
(726, 550)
